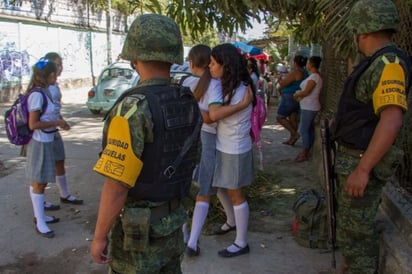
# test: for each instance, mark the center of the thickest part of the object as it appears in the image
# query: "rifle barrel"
(329, 186)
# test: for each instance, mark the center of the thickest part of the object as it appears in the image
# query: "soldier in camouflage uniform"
(146, 232)
(367, 122)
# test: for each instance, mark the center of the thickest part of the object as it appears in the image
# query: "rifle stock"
(329, 185)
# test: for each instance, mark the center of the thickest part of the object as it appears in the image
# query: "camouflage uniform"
(162, 245)
(165, 247)
(357, 235)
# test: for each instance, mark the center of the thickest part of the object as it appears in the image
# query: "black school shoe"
(191, 252)
(49, 234)
(74, 201)
(52, 221)
(227, 254)
(220, 231)
(51, 207)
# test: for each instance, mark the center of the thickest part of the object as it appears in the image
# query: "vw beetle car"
(117, 78)
(112, 82)
(179, 72)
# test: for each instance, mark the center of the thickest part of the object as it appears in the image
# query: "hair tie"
(42, 63)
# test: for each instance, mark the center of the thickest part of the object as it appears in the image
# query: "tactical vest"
(355, 121)
(175, 114)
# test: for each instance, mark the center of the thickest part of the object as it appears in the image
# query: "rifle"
(329, 185)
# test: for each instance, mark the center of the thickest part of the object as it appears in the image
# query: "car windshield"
(111, 73)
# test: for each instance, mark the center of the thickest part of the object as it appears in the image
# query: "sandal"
(302, 157)
(292, 141)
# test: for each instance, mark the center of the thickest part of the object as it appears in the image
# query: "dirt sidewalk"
(273, 249)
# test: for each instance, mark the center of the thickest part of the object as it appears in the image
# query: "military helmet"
(153, 37)
(368, 16)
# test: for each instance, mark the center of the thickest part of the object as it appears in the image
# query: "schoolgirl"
(234, 154)
(202, 85)
(59, 152)
(40, 157)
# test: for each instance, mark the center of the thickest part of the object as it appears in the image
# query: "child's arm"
(218, 111)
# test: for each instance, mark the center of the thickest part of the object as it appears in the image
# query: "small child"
(282, 72)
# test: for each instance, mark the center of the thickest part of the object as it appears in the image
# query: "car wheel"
(95, 111)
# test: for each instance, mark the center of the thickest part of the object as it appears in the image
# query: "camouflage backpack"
(310, 227)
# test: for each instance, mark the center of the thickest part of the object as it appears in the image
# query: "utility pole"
(109, 31)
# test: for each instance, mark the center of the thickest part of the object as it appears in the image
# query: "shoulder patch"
(391, 88)
(118, 160)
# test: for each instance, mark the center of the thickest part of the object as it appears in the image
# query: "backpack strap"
(45, 101)
(170, 170)
(45, 95)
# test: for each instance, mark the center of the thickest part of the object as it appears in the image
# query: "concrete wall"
(26, 34)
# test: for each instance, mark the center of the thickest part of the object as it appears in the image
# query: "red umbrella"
(263, 56)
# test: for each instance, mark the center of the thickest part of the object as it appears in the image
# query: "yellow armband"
(391, 88)
(118, 160)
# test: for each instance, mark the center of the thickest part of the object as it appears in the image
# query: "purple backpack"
(17, 119)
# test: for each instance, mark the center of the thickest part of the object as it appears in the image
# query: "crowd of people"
(141, 218)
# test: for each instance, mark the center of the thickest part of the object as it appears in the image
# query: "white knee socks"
(61, 182)
(199, 217)
(38, 208)
(228, 207)
(242, 221)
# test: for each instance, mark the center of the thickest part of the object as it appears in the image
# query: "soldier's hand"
(356, 183)
(98, 249)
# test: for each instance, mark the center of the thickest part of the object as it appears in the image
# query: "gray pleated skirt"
(207, 164)
(233, 171)
(40, 162)
(58, 147)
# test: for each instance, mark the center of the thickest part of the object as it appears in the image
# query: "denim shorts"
(287, 105)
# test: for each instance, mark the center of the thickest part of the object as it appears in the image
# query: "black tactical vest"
(175, 114)
(356, 121)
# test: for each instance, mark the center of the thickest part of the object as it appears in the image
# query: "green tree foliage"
(129, 7)
(310, 21)
(209, 37)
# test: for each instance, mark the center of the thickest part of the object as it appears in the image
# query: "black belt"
(349, 151)
(159, 212)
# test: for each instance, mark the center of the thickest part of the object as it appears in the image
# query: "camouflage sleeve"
(141, 124)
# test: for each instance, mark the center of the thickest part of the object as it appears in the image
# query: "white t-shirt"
(204, 102)
(56, 95)
(35, 102)
(311, 102)
(233, 132)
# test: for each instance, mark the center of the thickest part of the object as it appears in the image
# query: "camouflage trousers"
(163, 253)
(357, 236)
